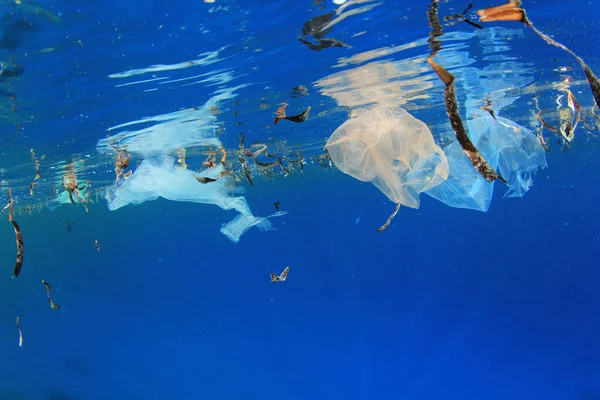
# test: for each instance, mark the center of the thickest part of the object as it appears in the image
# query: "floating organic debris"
(570, 117)
(480, 164)
(280, 114)
(121, 163)
(282, 277)
(323, 44)
(47, 285)
(18, 235)
(246, 170)
(20, 248)
(72, 187)
(97, 246)
(205, 179)
(389, 220)
(37, 175)
(20, 334)
(477, 160)
(541, 139)
(457, 18)
(53, 305)
(512, 12)
(277, 204)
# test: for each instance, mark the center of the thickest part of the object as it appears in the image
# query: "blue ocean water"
(447, 303)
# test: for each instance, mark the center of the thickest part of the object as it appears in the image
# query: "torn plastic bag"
(160, 177)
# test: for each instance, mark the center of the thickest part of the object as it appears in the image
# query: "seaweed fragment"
(323, 44)
(280, 114)
(205, 179)
(282, 277)
(53, 305)
(512, 12)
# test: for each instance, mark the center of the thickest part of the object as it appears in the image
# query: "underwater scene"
(291, 200)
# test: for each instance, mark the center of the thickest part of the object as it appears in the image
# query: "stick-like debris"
(476, 158)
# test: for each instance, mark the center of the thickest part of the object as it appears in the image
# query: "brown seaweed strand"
(476, 158)
(478, 161)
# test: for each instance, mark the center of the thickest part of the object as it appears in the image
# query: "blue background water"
(446, 304)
